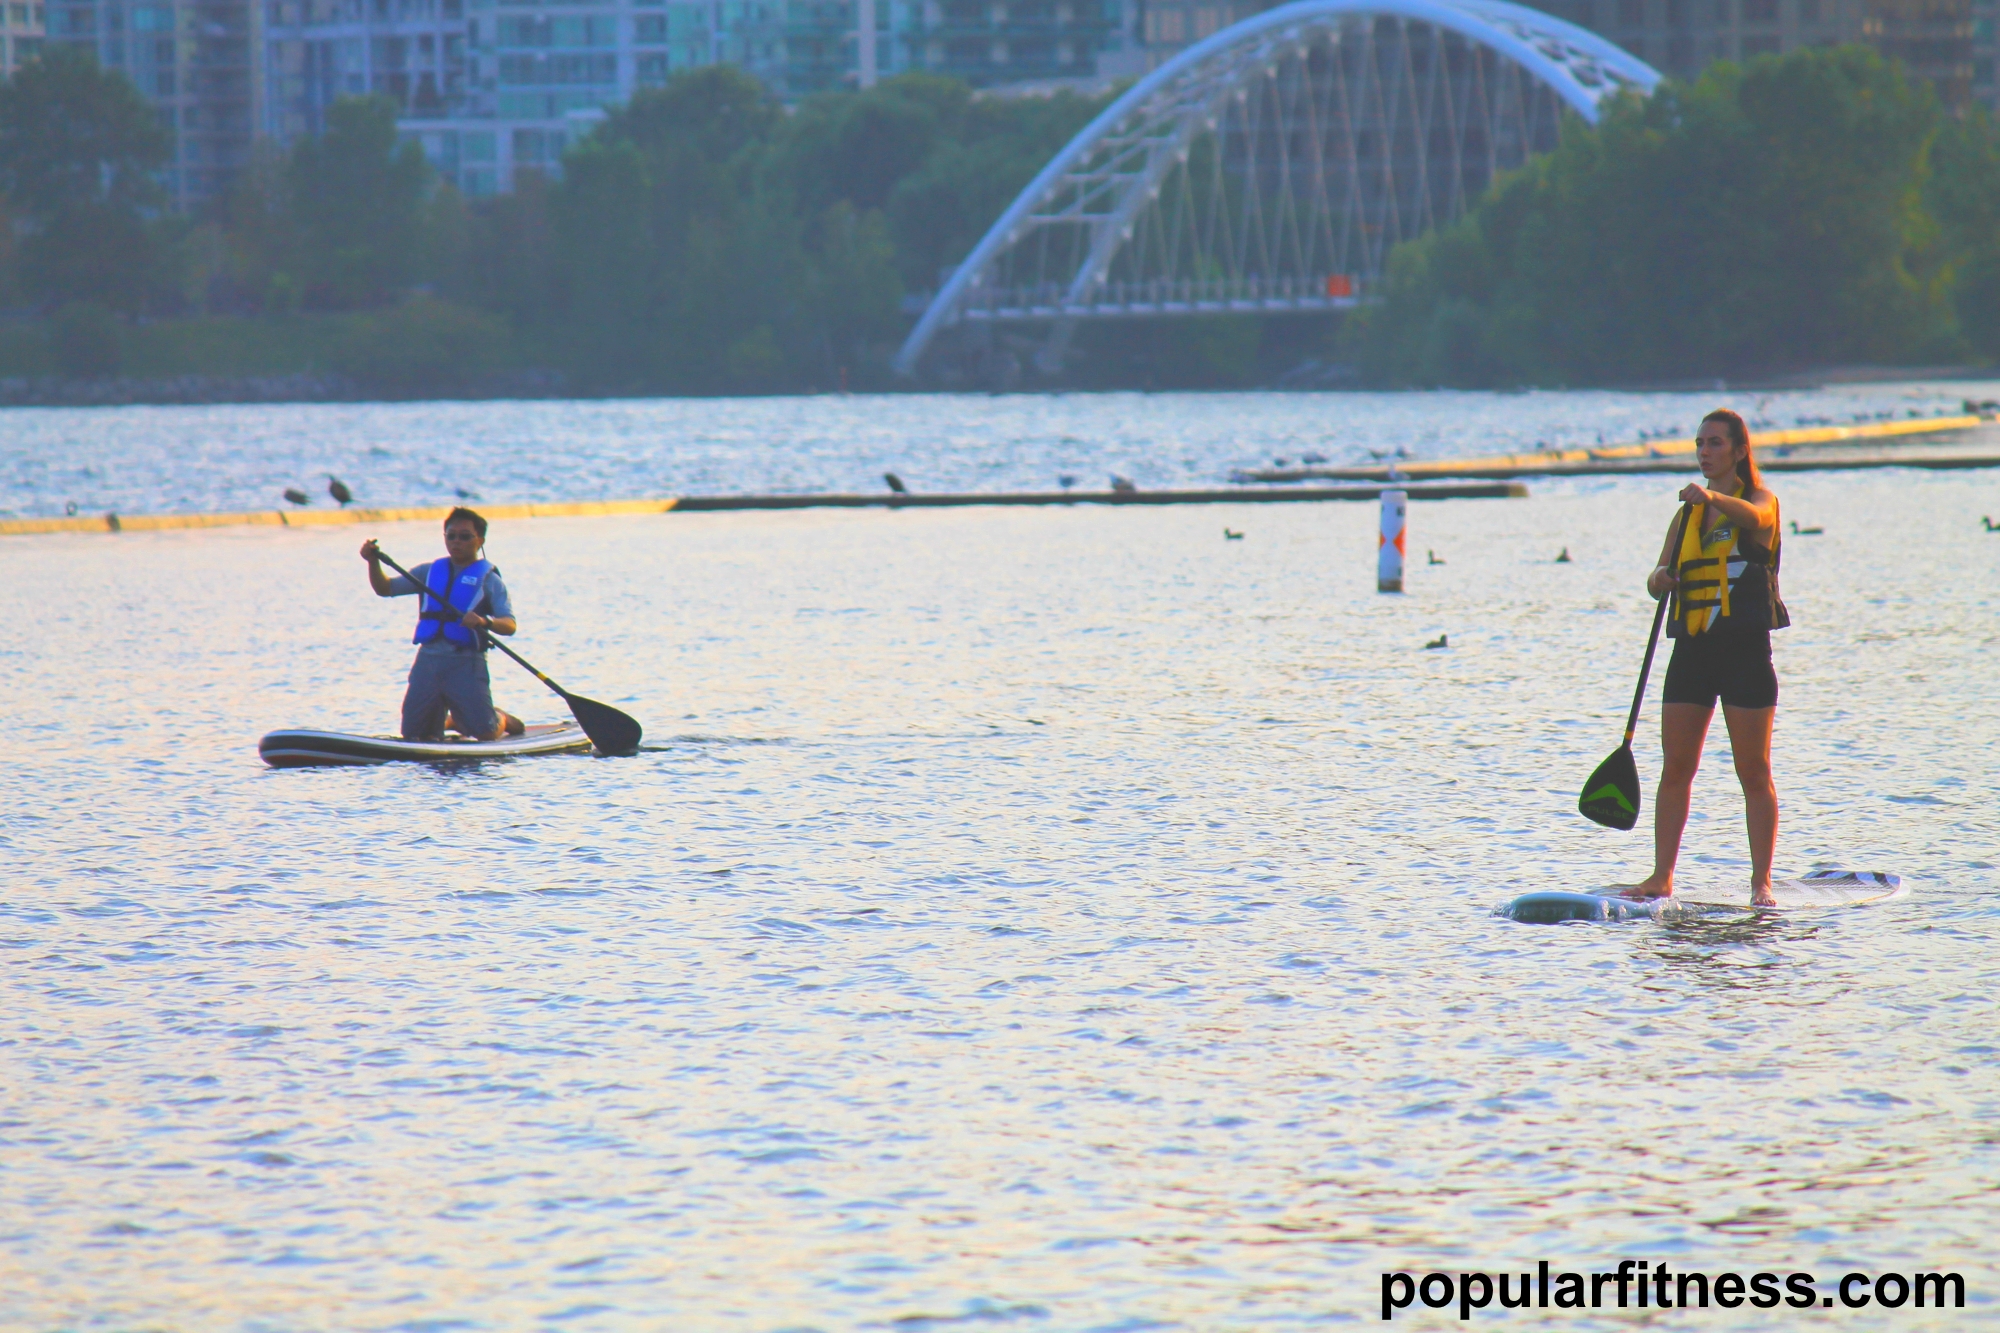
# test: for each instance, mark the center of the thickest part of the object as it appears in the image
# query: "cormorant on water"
(1433, 555)
(1563, 559)
(895, 483)
(338, 490)
(1065, 481)
(1122, 485)
(1438, 642)
(1798, 531)
(1231, 536)
(464, 494)
(297, 496)
(1991, 526)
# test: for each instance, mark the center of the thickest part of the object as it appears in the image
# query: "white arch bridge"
(1271, 168)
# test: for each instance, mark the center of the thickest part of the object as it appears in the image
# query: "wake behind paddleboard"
(330, 749)
(1820, 889)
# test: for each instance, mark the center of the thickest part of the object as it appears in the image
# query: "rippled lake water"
(137, 460)
(1039, 919)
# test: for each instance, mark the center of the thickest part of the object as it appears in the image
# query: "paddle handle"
(492, 641)
(1653, 639)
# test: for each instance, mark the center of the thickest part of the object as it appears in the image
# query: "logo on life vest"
(467, 578)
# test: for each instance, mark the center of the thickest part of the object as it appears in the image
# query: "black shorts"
(1733, 666)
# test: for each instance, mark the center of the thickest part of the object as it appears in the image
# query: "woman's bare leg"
(1683, 728)
(1750, 743)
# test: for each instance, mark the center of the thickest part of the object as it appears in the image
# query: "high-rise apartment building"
(1952, 43)
(489, 87)
(195, 62)
(493, 87)
(21, 28)
(1935, 39)
(987, 43)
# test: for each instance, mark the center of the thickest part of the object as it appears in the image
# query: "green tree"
(854, 148)
(78, 149)
(260, 270)
(856, 295)
(986, 153)
(675, 269)
(606, 225)
(716, 111)
(1765, 216)
(1963, 193)
(354, 195)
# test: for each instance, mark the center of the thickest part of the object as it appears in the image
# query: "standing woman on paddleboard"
(1723, 576)
(449, 684)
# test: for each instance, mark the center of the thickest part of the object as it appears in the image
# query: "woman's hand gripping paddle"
(611, 731)
(1611, 797)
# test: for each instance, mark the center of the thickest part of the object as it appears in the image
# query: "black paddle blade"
(1611, 797)
(611, 731)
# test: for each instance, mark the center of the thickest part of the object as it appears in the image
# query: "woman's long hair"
(1746, 466)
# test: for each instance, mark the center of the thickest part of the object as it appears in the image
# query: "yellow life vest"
(1707, 565)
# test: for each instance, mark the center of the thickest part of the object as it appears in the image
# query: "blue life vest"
(465, 593)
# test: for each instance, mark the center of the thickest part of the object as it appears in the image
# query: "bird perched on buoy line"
(1433, 556)
(338, 490)
(1563, 559)
(297, 496)
(1122, 485)
(1438, 642)
(1231, 535)
(1798, 531)
(1065, 481)
(895, 483)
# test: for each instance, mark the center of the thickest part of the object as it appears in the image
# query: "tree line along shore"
(1814, 208)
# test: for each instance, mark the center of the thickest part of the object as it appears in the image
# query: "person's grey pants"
(455, 681)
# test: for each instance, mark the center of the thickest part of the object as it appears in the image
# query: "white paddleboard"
(1820, 889)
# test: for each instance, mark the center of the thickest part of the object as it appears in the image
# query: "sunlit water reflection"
(1053, 919)
(140, 460)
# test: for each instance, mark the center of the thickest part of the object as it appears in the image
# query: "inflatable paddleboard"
(325, 749)
(1821, 888)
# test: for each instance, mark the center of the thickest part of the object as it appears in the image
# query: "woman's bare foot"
(1761, 896)
(1653, 886)
(511, 725)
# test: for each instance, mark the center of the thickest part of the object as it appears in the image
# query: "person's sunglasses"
(461, 536)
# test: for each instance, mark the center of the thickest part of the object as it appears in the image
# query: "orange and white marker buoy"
(1389, 547)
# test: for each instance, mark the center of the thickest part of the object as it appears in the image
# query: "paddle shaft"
(423, 591)
(1652, 640)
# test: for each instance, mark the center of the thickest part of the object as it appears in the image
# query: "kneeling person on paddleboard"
(1723, 576)
(466, 600)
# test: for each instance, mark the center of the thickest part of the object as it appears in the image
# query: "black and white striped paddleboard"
(333, 749)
